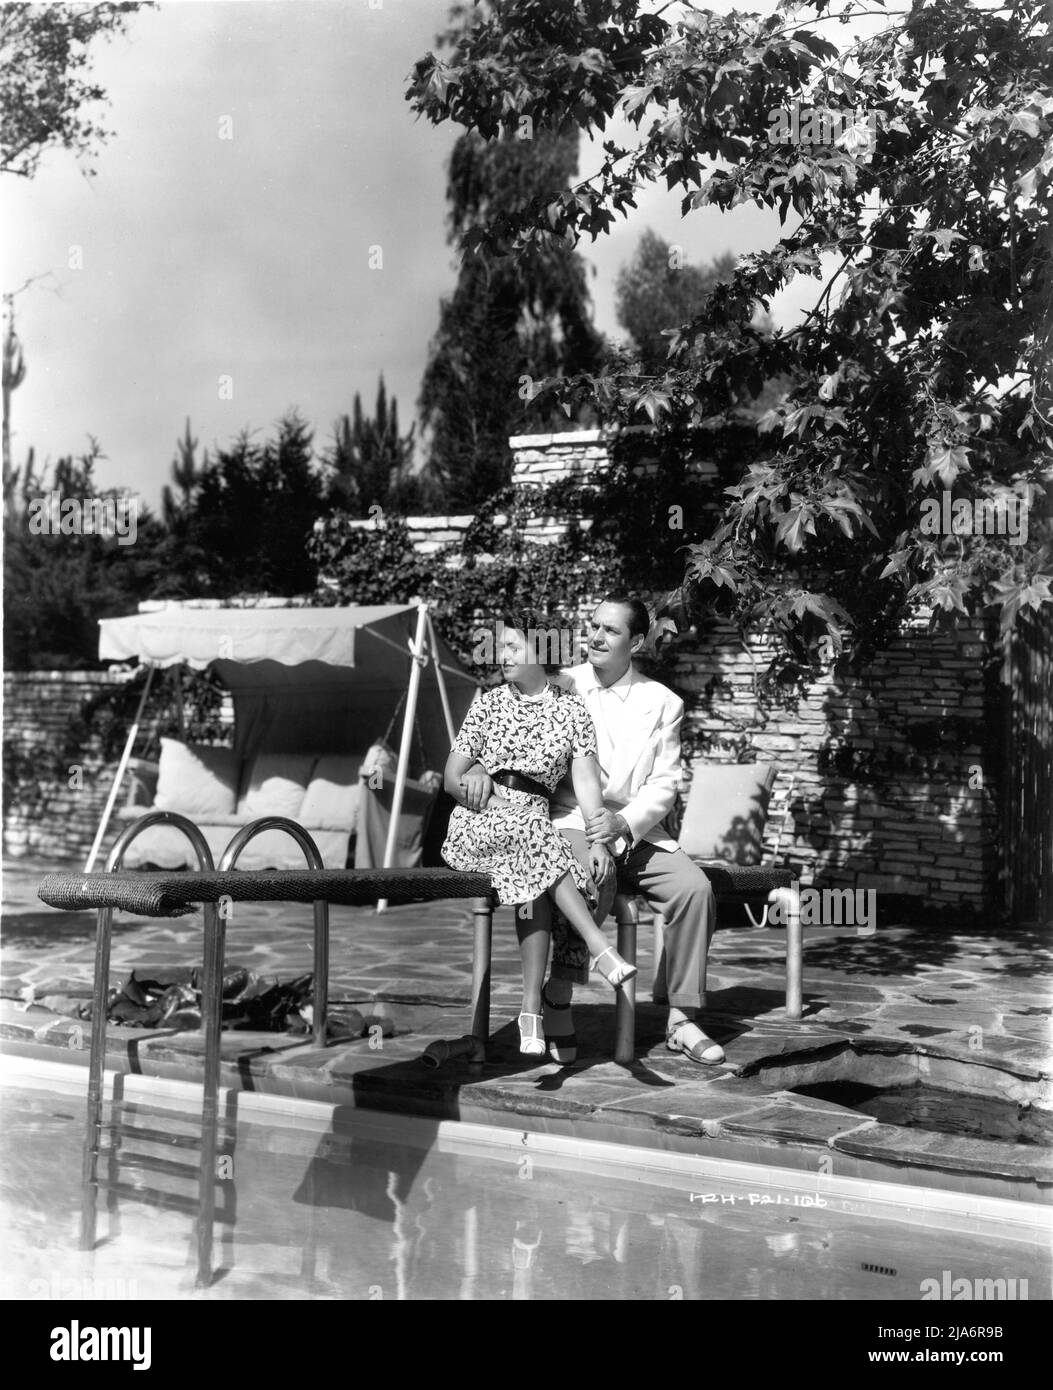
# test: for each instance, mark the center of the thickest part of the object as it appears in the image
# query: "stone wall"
(51, 811)
(539, 459)
(884, 781)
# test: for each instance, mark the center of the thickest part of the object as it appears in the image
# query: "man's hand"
(601, 865)
(604, 825)
(477, 788)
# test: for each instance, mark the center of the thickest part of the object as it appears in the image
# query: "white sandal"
(619, 972)
(532, 1039)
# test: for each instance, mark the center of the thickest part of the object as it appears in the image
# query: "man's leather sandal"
(706, 1052)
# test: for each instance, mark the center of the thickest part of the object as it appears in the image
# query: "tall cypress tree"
(507, 320)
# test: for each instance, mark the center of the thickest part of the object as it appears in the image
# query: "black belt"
(516, 782)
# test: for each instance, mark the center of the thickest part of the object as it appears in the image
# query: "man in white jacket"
(638, 731)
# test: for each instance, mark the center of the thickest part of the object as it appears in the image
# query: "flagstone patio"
(956, 1000)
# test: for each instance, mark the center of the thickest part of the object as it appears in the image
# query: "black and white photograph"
(527, 669)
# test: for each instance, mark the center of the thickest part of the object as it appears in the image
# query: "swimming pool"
(316, 1201)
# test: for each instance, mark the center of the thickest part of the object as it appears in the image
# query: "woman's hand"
(477, 788)
(601, 865)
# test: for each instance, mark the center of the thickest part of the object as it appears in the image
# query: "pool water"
(918, 1106)
(372, 1206)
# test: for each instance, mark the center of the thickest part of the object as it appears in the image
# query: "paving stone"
(752, 1050)
(234, 1046)
(892, 1143)
(904, 990)
(922, 1013)
(1038, 1030)
(797, 1122)
(303, 1060)
(1003, 1053)
(826, 985)
(687, 1111)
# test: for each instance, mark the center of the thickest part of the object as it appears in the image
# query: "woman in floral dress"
(525, 734)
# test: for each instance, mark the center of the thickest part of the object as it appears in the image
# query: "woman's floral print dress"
(514, 840)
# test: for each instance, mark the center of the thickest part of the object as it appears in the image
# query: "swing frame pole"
(417, 656)
(122, 767)
(441, 679)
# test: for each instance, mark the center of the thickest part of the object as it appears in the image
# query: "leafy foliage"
(924, 363)
(470, 582)
(365, 564)
(46, 91)
(57, 586)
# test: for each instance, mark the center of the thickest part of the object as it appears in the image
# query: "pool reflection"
(381, 1207)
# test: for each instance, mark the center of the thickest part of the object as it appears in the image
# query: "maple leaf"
(635, 98)
(946, 461)
(653, 402)
(794, 524)
(897, 563)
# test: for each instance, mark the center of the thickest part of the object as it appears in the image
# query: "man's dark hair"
(639, 618)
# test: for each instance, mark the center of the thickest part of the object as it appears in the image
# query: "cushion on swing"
(380, 757)
(331, 802)
(196, 779)
(277, 783)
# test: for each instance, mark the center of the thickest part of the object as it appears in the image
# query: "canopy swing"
(317, 681)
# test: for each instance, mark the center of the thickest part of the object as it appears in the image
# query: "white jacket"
(639, 775)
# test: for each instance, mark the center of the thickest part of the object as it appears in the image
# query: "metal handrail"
(189, 829)
(311, 852)
(229, 859)
(211, 1018)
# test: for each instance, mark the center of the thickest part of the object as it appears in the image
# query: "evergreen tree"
(508, 324)
(658, 290)
(185, 475)
(371, 462)
(249, 519)
(59, 581)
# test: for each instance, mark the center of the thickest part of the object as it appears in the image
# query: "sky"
(217, 265)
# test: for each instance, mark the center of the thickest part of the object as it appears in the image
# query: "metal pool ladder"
(211, 1017)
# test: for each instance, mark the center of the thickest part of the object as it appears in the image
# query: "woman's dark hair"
(639, 618)
(548, 632)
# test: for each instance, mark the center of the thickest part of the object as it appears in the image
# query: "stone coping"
(721, 1111)
(962, 997)
(295, 1122)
